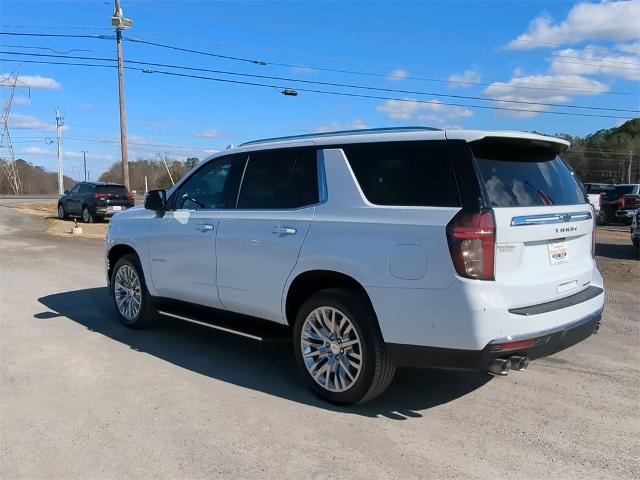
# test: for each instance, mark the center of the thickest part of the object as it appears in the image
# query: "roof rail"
(363, 131)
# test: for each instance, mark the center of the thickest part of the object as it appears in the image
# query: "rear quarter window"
(525, 177)
(404, 173)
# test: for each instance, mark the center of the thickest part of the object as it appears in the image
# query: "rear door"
(258, 243)
(544, 224)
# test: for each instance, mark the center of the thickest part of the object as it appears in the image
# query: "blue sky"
(550, 52)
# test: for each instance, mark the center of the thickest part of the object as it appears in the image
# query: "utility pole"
(120, 23)
(59, 124)
(629, 170)
(84, 161)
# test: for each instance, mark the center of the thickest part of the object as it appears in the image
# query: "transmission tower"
(7, 158)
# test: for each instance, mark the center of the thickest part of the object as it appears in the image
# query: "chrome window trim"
(550, 218)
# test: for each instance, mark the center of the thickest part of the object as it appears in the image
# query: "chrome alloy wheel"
(86, 215)
(127, 292)
(60, 212)
(331, 349)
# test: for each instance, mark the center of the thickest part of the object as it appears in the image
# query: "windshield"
(625, 189)
(119, 190)
(529, 182)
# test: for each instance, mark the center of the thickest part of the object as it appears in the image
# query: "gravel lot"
(83, 397)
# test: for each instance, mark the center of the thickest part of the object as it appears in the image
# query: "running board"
(242, 325)
(211, 325)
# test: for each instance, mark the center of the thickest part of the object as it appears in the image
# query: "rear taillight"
(102, 195)
(129, 196)
(593, 236)
(472, 242)
(621, 201)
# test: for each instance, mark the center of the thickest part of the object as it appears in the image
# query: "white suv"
(373, 249)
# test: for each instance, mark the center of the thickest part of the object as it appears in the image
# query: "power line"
(325, 92)
(310, 67)
(331, 84)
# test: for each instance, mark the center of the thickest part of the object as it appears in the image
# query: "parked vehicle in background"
(628, 201)
(94, 200)
(459, 249)
(635, 230)
(595, 199)
(606, 200)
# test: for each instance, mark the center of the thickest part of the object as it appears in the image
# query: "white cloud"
(355, 124)
(33, 151)
(593, 60)
(432, 111)
(17, 120)
(518, 88)
(21, 100)
(304, 70)
(209, 134)
(398, 74)
(32, 81)
(465, 79)
(90, 156)
(617, 21)
(633, 47)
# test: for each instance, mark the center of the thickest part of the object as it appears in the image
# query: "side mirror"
(66, 192)
(156, 200)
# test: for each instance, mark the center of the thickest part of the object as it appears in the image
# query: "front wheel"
(62, 214)
(130, 295)
(339, 347)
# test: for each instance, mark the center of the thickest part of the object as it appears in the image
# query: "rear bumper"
(108, 211)
(622, 213)
(539, 344)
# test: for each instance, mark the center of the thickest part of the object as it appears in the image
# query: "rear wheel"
(339, 347)
(62, 214)
(87, 216)
(603, 217)
(130, 295)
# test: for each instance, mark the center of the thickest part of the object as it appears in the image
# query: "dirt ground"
(62, 228)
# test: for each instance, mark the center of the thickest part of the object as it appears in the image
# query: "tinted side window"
(85, 188)
(214, 185)
(286, 178)
(404, 173)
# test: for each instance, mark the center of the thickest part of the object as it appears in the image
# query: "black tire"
(87, 215)
(603, 217)
(62, 213)
(147, 314)
(377, 368)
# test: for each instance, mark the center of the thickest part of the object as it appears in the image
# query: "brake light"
(621, 200)
(129, 196)
(472, 242)
(102, 195)
(593, 235)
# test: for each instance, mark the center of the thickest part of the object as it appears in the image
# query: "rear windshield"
(625, 189)
(112, 189)
(527, 178)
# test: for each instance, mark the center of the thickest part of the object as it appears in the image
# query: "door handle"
(284, 231)
(205, 227)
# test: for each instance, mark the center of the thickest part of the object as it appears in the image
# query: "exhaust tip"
(499, 366)
(519, 363)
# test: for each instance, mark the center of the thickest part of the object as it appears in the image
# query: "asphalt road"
(83, 397)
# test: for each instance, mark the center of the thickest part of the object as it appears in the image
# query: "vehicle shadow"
(264, 366)
(616, 251)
